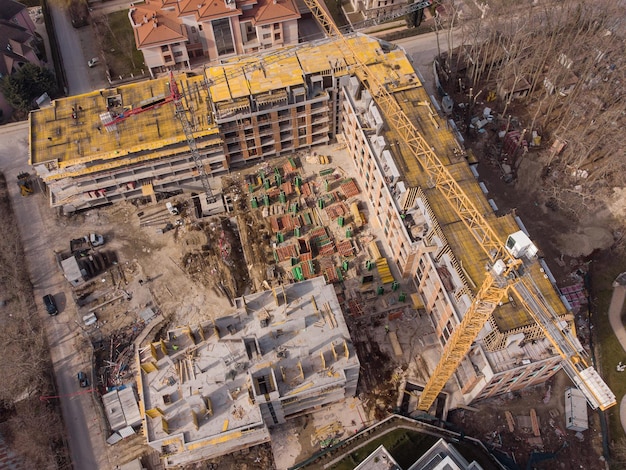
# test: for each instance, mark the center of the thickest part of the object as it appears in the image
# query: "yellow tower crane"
(506, 271)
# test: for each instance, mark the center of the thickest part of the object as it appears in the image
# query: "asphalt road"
(41, 233)
(422, 50)
(74, 60)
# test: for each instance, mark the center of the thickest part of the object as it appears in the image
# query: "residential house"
(17, 45)
(171, 34)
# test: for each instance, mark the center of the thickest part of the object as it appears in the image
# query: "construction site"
(287, 232)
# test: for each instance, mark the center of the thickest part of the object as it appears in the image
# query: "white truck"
(85, 243)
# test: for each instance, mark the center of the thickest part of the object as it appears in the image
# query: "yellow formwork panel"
(382, 266)
(402, 64)
(275, 76)
(71, 131)
(214, 441)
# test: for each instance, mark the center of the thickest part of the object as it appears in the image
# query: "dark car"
(82, 379)
(51, 305)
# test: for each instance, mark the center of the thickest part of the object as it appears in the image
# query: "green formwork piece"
(349, 233)
(254, 203)
(282, 197)
(402, 297)
(296, 232)
(394, 286)
(340, 221)
(297, 273)
(380, 290)
(344, 265)
(266, 200)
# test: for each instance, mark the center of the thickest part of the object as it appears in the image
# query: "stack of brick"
(289, 167)
(285, 252)
(349, 188)
(308, 269)
(336, 210)
(305, 189)
(345, 248)
(287, 188)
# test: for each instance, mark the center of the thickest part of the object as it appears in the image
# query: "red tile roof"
(208, 9)
(156, 26)
(275, 11)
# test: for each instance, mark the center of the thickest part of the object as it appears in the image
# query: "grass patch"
(405, 446)
(118, 44)
(609, 350)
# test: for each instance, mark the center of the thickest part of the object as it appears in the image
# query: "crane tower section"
(181, 114)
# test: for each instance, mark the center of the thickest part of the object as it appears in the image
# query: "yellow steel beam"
(423, 153)
(460, 342)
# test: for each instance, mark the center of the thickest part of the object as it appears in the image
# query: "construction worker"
(386, 329)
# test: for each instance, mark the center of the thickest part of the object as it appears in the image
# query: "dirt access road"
(37, 227)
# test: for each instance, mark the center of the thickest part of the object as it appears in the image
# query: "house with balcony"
(172, 34)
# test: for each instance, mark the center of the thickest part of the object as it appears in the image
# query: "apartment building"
(433, 247)
(170, 34)
(374, 8)
(221, 386)
(125, 143)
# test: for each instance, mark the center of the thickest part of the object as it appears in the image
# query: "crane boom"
(496, 283)
(181, 114)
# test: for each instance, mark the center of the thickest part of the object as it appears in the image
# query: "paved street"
(77, 46)
(40, 230)
(422, 50)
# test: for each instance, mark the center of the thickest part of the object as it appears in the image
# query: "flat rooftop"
(467, 250)
(70, 138)
(202, 381)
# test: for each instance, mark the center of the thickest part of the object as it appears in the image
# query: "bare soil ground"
(564, 449)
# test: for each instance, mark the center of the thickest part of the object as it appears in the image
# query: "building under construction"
(220, 386)
(124, 143)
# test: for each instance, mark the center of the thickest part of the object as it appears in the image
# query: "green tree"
(415, 17)
(27, 84)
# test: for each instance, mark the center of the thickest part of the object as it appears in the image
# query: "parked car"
(82, 379)
(50, 304)
(92, 62)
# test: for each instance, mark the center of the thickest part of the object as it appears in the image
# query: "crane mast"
(181, 114)
(502, 275)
